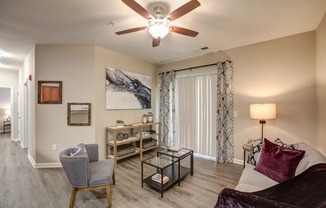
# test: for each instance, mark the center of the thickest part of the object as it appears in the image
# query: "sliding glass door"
(196, 113)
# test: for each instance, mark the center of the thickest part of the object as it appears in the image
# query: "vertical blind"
(196, 113)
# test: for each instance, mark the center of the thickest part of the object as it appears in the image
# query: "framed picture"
(126, 90)
(79, 114)
(49, 92)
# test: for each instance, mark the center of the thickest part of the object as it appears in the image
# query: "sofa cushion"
(78, 149)
(101, 172)
(277, 162)
(252, 180)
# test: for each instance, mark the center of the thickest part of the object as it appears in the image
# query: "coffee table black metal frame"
(168, 163)
(162, 165)
(177, 157)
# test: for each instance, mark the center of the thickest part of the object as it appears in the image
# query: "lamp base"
(262, 122)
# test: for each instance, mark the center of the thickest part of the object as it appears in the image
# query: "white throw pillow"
(254, 154)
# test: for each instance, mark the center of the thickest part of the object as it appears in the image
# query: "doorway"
(6, 109)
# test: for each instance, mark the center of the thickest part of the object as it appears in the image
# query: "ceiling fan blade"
(156, 42)
(184, 9)
(184, 31)
(137, 8)
(136, 29)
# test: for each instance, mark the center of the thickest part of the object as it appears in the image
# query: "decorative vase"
(144, 119)
(150, 117)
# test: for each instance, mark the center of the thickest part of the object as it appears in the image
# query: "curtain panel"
(224, 113)
(167, 108)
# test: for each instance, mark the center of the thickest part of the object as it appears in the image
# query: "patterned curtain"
(224, 124)
(167, 108)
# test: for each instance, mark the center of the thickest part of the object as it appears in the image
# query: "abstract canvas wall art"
(127, 90)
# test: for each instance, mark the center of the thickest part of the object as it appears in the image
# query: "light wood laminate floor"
(23, 186)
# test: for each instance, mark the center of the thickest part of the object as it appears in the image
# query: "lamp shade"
(7, 112)
(263, 111)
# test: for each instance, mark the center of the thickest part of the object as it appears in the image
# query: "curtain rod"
(194, 67)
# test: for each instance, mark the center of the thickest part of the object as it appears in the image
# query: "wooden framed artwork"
(50, 92)
(127, 90)
(79, 114)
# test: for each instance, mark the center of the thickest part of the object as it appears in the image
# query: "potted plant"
(119, 123)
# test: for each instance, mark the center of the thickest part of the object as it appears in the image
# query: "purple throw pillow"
(278, 163)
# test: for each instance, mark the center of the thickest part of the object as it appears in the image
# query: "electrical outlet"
(54, 147)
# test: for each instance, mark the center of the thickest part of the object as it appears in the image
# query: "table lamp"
(263, 111)
(8, 113)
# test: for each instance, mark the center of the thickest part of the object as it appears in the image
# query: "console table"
(6, 124)
(134, 134)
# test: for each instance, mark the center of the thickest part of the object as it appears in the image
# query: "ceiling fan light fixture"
(159, 28)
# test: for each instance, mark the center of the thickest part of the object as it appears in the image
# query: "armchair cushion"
(101, 172)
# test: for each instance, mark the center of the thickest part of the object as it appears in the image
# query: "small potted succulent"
(119, 123)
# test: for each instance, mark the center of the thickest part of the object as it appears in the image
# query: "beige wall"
(321, 84)
(104, 118)
(28, 68)
(74, 66)
(280, 71)
(82, 70)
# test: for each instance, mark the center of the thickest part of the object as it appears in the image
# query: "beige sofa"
(252, 180)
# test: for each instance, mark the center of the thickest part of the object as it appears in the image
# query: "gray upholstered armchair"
(85, 172)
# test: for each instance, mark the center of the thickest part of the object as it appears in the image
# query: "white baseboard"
(205, 157)
(237, 161)
(31, 160)
(21, 144)
(16, 140)
(43, 165)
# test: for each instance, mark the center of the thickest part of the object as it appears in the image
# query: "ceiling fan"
(159, 26)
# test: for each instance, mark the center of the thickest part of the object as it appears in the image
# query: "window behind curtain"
(196, 113)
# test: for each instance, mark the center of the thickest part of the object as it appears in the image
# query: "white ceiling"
(222, 24)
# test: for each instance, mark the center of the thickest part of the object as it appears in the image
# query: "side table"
(246, 148)
(6, 124)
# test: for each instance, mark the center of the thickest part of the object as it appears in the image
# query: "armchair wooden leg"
(73, 197)
(113, 178)
(108, 195)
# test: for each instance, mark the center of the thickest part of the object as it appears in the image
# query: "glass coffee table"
(168, 163)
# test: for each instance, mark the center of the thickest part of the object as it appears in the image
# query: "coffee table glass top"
(158, 162)
(181, 153)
